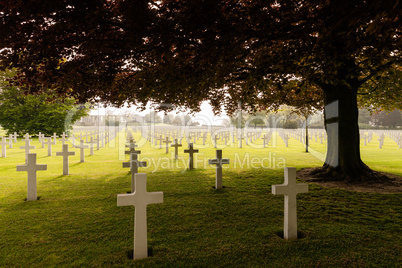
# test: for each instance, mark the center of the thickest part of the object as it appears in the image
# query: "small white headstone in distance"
(65, 154)
(3, 144)
(134, 164)
(191, 152)
(49, 143)
(64, 138)
(167, 141)
(10, 141)
(27, 147)
(15, 135)
(176, 146)
(82, 148)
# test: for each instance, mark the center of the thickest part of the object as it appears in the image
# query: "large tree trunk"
(341, 113)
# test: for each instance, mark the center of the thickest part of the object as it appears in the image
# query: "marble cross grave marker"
(3, 144)
(290, 189)
(64, 138)
(265, 140)
(381, 141)
(15, 135)
(131, 147)
(82, 148)
(49, 143)
(176, 146)
(134, 164)
(97, 142)
(240, 138)
(31, 167)
(167, 141)
(218, 161)
(140, 199)
(91, 143)
(27, 136)
(191, 152)
(10, 141)
(65, 154)
(286, 140)
(160, 139)
(27, 147)
(54, 136)
(215, 139)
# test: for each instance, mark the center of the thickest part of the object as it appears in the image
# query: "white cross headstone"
(27, 136)
(82, 148)
(3, 144)
(63, 138)
(290, 189)
(226, 137)
(176, 146)
(41, 139)
(140, 199)
(97, 142)
(15, 137)
(167, 141)
(49, 146)
(54, 138)
(191, 152)
(131, 150)
(73, 139)
(65, 154)
(204, 137)
(160, 139)
(215, 139)
(286, 139)
(91, 143)
(134, 164)
(10, 140)
(218, 161)
(265, 140)
(31, 167)
(381, 141)
(27, 147)
(240, 138)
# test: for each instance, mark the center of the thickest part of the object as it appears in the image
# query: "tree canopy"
(183, 52)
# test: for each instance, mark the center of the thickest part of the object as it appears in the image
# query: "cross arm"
(22, 168)
(125, 200)
(41, 167)
(279, 189)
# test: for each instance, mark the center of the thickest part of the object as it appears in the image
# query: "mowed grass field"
(76, 221)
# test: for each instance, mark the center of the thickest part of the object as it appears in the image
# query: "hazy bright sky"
(206, 116)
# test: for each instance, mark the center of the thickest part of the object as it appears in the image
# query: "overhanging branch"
(376, 71)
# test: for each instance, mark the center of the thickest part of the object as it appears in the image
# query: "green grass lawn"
(76, 221)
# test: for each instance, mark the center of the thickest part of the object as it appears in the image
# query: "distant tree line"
(284, 118)
(380, 119)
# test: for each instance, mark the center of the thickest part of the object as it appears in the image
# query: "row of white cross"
(140, 198)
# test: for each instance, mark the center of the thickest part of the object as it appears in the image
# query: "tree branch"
(376, 71)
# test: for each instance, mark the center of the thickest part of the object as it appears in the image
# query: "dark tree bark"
(343, 160)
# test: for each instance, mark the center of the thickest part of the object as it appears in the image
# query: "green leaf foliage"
(44, 112)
